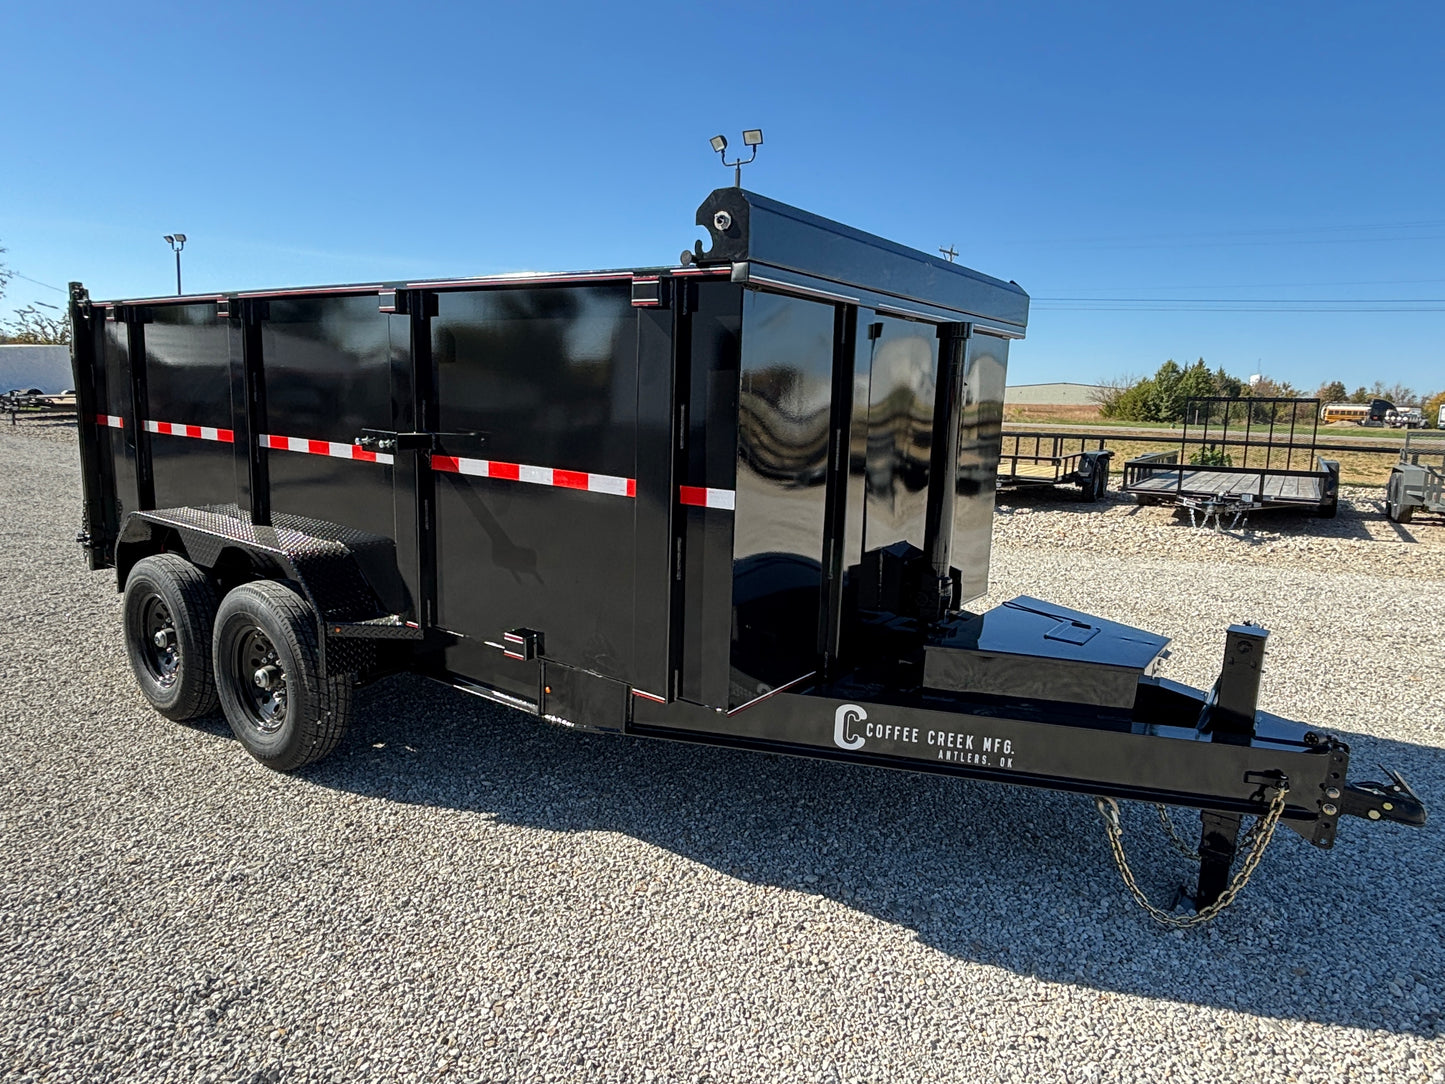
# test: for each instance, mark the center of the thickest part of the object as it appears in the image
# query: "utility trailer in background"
(1418, 479)
(1203, 478)
(741, 501)
(1029, 460)
(34, 403)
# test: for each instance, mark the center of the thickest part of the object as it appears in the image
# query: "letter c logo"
(846, 714)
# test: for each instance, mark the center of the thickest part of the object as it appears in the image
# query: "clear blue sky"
(1150, 151)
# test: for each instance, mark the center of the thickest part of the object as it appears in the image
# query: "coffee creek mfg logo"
(852, 730)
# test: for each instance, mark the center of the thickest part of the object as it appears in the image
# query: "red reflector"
(569, 479)
(511, 471)
(446, 463)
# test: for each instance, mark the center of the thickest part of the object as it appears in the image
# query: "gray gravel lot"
(463, 893)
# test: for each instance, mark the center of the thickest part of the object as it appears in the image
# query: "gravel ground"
(461, 893)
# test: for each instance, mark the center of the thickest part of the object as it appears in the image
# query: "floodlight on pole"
(177, 241)
(752, 137)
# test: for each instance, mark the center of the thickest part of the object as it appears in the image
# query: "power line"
(37, 282)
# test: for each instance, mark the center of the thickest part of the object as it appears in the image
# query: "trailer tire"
(1395, 501)
(166, 595)
(268, 676)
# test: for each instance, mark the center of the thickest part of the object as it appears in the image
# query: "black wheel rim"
(260, 681)
(160, 651)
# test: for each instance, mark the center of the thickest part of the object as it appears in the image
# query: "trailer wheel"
(1101, 480)
(269, 678)
(1395, 506)
(168, 614)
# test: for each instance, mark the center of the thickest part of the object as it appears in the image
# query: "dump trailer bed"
(745, 499)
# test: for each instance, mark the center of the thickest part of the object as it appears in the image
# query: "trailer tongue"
(745, 500)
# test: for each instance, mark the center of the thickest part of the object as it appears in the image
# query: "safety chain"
(1175, 840)
(1258, 838)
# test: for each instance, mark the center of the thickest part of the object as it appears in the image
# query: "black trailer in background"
(744, 500)
(1028, 460)
(1204, 478)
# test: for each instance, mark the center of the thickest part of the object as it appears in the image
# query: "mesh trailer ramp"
(743, 500)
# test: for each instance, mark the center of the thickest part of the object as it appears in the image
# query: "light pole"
(753, 138)
(177, 242)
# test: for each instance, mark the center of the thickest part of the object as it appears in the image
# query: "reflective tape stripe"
(330, 448)
(115, 421)
(699, 497)
(195, 432)
(537, 476)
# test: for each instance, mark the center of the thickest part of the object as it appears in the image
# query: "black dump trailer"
(743, 500)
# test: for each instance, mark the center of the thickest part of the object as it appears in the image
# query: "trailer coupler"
(1392, 801)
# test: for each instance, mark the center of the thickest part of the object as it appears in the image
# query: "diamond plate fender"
(347, 576)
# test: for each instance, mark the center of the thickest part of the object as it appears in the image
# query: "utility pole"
(177, 242)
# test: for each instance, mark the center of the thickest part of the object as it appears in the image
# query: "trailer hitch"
(1392, 801)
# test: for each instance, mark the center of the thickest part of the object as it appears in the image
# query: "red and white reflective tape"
(195, 432)
(323, 447)
(115, 421)
(699, 497)
(538, 476)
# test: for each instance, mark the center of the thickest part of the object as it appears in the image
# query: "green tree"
(1431, 408)
(1360, 395)
(1134, 404)
(1197, 382)
(31, 326)
(1226, 385)
(1333, 392)
(1166, 402)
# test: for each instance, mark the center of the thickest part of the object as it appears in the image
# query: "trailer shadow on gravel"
(1004, 876)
